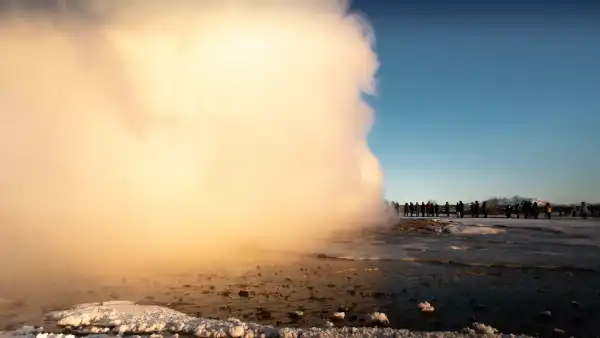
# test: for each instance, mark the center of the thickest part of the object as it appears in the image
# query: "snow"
(379, 318)
(109, 319)
(338, 315)
(425, 307)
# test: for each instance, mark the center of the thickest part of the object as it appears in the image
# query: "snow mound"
(109, 319)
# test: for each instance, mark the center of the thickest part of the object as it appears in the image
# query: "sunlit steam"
(136, 133)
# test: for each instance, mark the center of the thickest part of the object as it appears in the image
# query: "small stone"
(575, 304)
(546, 314)
(244, 293)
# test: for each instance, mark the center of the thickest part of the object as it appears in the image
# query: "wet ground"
(533, 278)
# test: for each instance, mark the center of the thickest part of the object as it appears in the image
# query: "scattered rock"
(575, 304)
(546, 314)
(244, 293)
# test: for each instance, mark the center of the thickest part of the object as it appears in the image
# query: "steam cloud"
(140, 133)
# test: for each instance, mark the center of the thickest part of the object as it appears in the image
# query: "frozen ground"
(97, 320)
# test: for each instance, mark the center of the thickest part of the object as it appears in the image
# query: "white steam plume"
(134, 132)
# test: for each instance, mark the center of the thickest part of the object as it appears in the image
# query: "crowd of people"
(527, 209)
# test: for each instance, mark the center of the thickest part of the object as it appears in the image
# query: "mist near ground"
(145, 134)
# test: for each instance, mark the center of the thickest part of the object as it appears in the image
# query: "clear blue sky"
(477, 101)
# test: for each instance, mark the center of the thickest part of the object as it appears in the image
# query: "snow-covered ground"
(118, 318)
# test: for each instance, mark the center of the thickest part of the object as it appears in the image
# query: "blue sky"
(477, 101)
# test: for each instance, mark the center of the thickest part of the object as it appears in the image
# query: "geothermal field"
(526, 277)
(201, 168)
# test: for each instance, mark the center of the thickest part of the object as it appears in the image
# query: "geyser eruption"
(137, 132)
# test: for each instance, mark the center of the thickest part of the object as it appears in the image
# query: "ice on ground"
(120, 318)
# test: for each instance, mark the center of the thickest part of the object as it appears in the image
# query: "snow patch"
(155, 322)
(426, 307)
(378, 318)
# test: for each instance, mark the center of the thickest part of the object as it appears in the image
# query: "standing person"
(423, 209)
(508, 211)
(584, 210)
(406, 208)
(548, 208)
(535, 210)
(411, 208)
(461, 208)
(476, 210)
(526, 209)
(472, 209)
(447, 209)
(484, 209)
(436, 210)
(518, 209)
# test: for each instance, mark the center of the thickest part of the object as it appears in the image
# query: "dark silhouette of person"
(423, 209)
(484, 209)
(461, 209)
(472, 209)
(526, 209)
(476, 209)
(508, 211)
(411, 208)
(436, 209)
(548, 210)
(535, 210)
(428, 209)
(518, 209)
(447, 209)
(405, 209)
